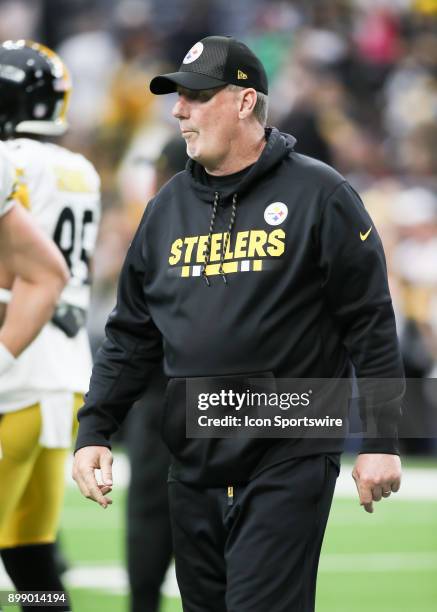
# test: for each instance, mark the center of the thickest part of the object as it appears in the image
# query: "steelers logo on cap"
(194, 53)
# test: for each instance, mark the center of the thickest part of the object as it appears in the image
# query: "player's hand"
(376, 476)
(86, 461)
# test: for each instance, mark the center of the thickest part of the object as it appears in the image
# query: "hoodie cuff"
(91, 433)
(95, 441)
(382, 427)
(386, 446)
(384, 438)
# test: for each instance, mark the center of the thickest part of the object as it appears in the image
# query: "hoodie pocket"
(181, 396)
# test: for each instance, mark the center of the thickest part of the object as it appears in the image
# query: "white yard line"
(378, 562)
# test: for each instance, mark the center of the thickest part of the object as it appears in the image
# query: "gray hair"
(261, 107)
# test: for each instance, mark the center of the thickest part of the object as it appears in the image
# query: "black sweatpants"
(257, 551)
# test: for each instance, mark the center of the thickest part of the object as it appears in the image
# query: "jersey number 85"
(75, 235)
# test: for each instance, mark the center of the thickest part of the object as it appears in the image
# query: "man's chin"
(193, 153)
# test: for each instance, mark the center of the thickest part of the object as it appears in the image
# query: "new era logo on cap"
(213, 62)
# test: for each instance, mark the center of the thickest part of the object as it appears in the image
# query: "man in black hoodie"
(254, 263)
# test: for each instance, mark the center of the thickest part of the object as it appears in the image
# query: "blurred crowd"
(354, 80)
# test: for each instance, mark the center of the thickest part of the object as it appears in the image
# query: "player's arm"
(355, 283)
(130, 351)
(39, 273)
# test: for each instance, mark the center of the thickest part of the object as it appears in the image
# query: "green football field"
(385, 562)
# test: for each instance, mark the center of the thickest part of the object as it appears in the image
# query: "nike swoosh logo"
(364, 236)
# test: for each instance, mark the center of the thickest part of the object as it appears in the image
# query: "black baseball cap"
(213, 62)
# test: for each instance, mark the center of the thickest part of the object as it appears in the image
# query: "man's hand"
(376, 476)
(86, 461)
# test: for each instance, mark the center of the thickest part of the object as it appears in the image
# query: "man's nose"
(181, 108)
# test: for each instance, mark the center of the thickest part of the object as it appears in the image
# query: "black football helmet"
(35, 88)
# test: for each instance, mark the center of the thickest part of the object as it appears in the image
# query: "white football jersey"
(7, 180)
(61, 190)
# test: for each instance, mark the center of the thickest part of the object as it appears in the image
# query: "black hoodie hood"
(278, 147)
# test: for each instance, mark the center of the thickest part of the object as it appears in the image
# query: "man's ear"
(248, 99)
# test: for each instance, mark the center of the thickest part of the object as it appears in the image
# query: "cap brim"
(167, 83)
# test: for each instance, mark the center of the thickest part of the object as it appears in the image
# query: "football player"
(42, 392)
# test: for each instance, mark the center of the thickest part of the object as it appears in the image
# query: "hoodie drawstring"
(226, 240)
(208, 243)
(228, 236)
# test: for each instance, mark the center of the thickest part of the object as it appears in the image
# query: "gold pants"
(32, 479)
